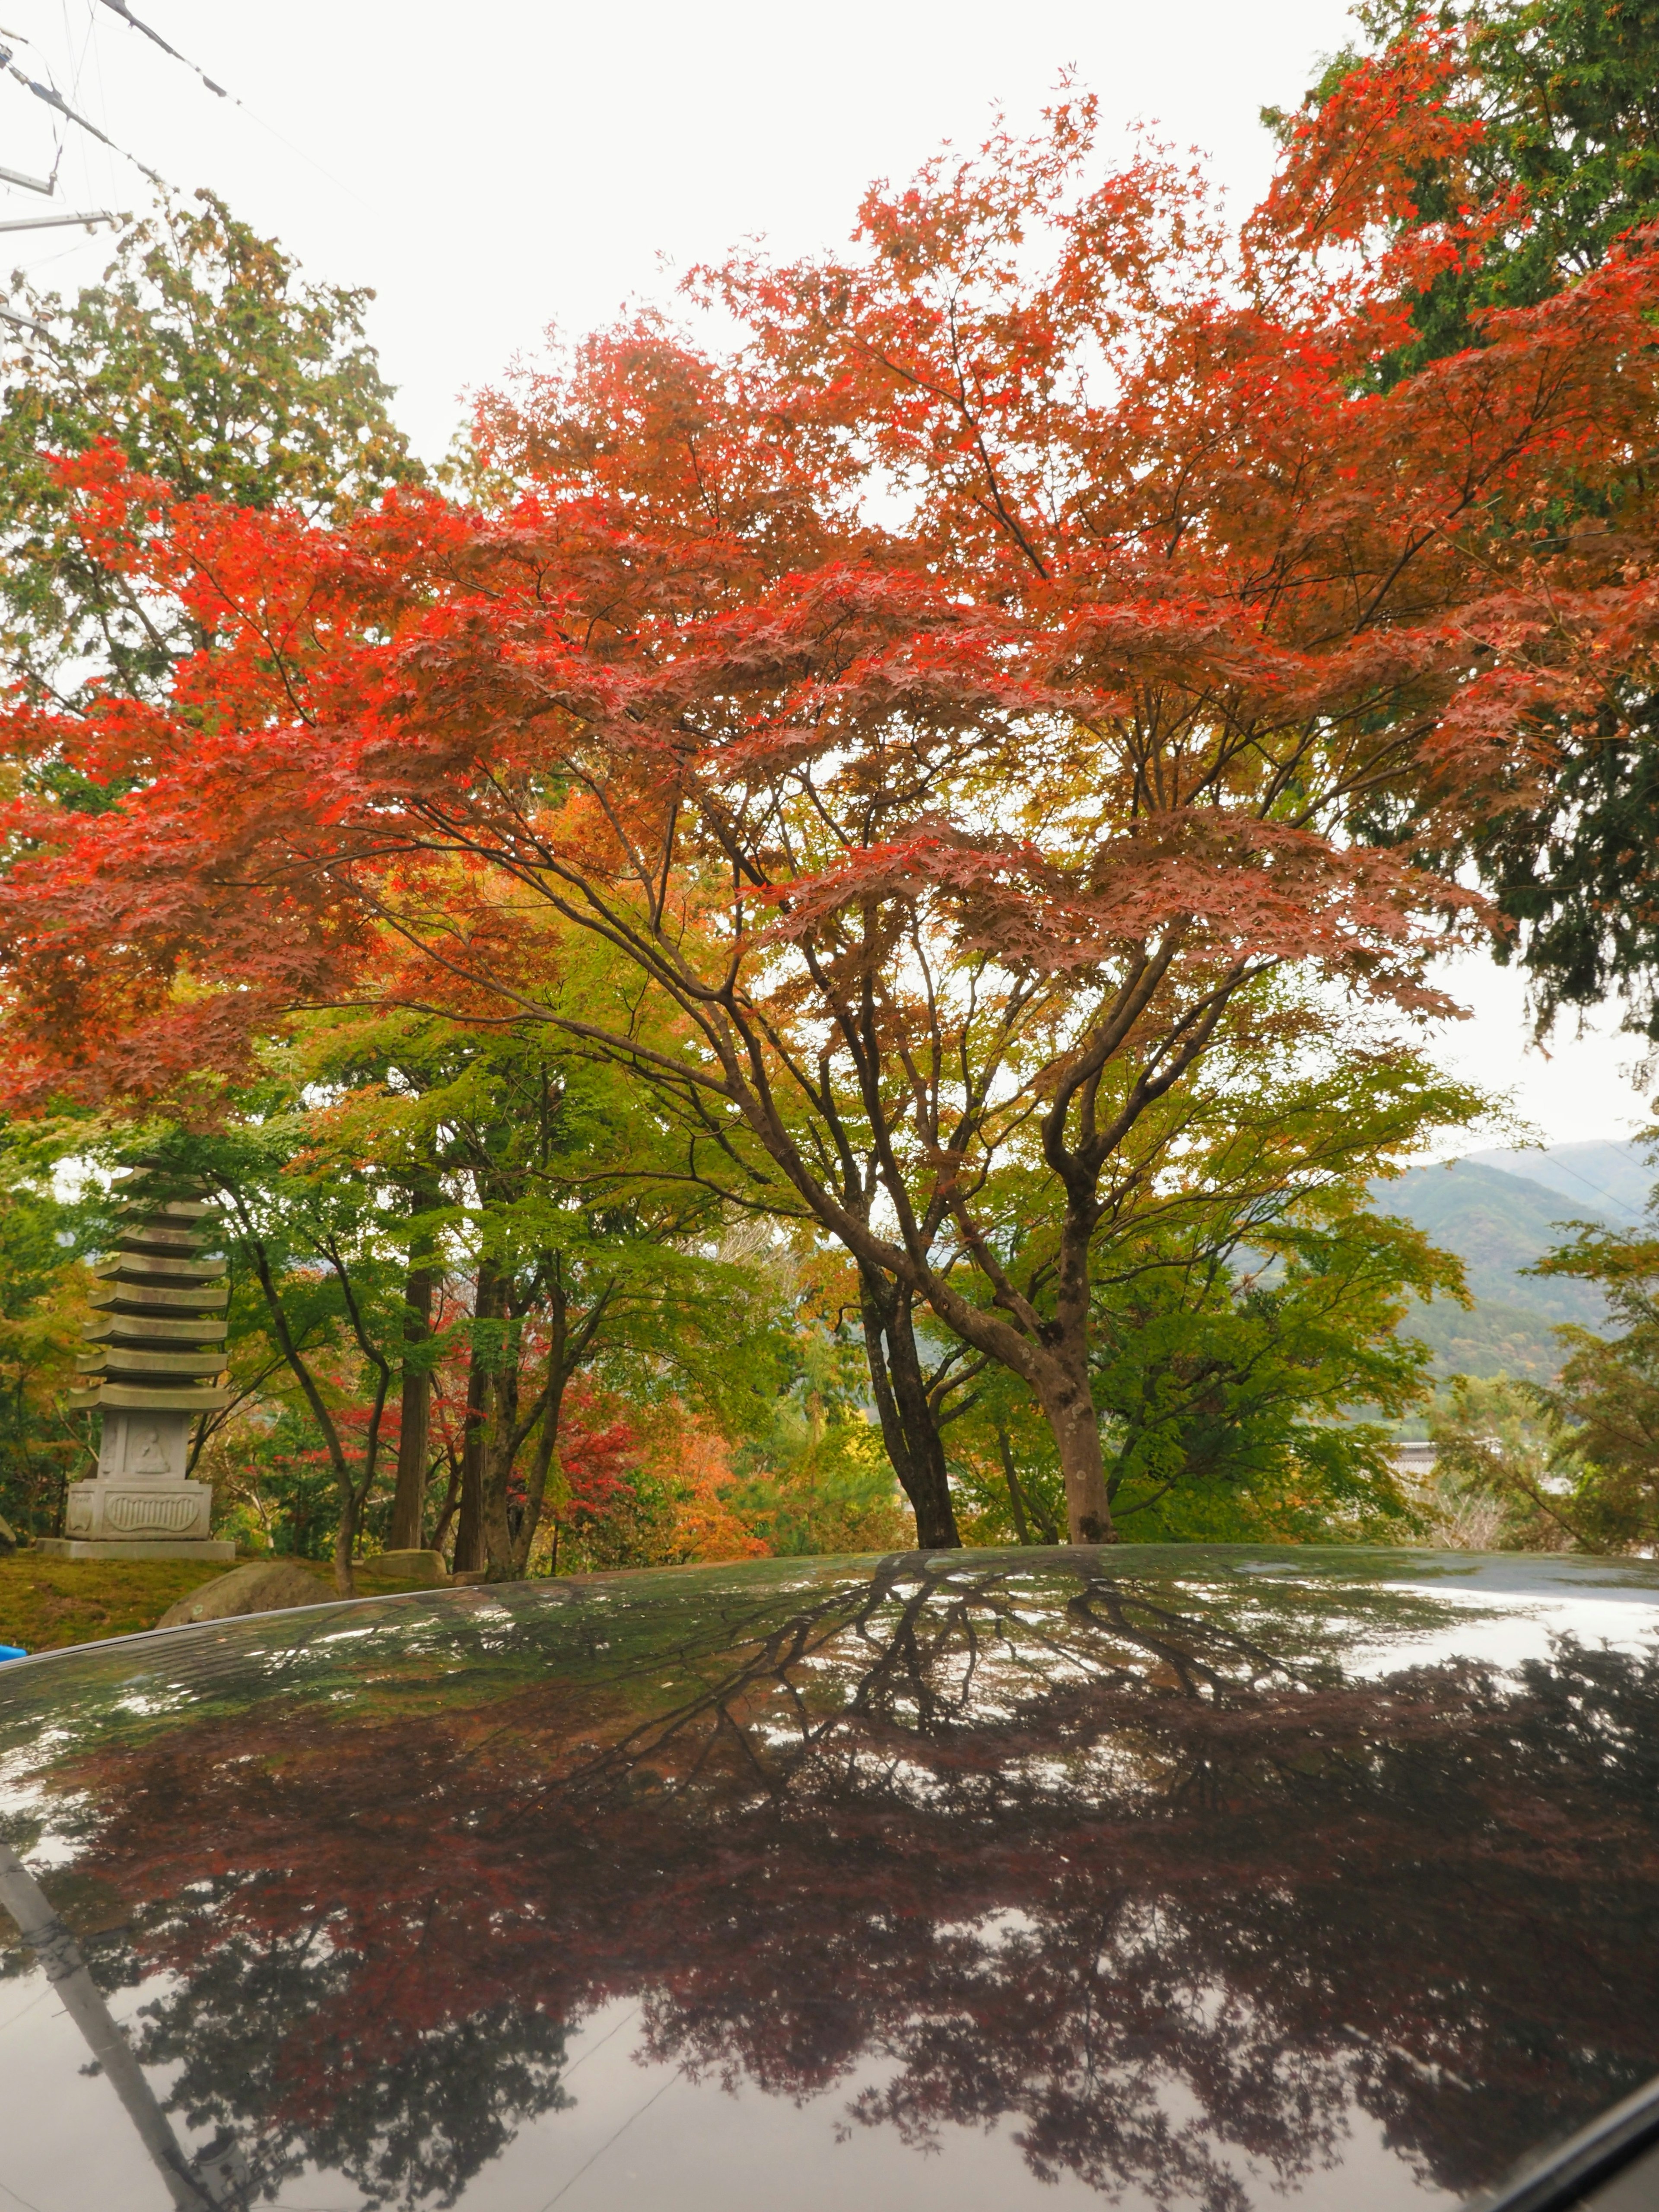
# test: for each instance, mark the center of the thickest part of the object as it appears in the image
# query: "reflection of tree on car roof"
(194, 2185)
(1129, 1861)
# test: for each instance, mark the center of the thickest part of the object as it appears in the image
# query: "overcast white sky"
(492, 171)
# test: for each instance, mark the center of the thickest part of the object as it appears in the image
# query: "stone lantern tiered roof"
(154, 1361)
(161, 1333)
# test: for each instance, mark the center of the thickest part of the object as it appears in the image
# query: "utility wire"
(626, 2019)
(120, 8)
(1560, 1167)
(638, 2112)
(54, 99)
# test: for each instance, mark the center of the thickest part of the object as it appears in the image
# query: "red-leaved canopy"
(1043, 627)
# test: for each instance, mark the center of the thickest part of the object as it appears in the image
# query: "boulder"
(404, 1570)
(262, 1586)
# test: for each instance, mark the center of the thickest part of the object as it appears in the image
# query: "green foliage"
(559, 1171)
(273, 1489)
(1503, 1478)
(1249, 1362)
(1566, 93)
(1576, 876)
(803, 1473)
(43, 1285)
(541, 1191)
(1227, 1391)
(1576, 1464)
(812, 1475)
(214, 368)
(1230, 1395)
(1490, 1339)
(1605, 1405)
(1570, 94)
(1500, 1226)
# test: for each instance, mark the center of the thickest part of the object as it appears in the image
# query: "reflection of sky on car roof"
(1495, 1628)
(637, 2131)
(649, 2134)
(842, 1884)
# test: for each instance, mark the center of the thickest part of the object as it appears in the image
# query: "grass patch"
(47, 1603)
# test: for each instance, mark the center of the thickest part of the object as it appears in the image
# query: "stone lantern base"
(140, 1504)
(216, 1550)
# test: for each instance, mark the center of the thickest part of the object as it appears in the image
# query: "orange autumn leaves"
(1037, 633)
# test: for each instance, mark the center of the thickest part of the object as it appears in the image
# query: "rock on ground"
(406, 1570)
(262, 1586)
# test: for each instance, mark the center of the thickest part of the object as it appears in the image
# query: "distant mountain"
(1499, 1222)
(1603, 1177)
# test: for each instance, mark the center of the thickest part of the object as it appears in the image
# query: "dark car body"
(1158, 1875)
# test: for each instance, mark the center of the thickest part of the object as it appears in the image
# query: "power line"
(120, 8)
(55, 99)
(1558, 1166)
(638, 2113)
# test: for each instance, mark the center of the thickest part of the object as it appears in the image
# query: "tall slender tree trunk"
(1066, 1389)
(545, 1473)
(488, 1303)
(1025, 1511)
(345, 1490)
(1052, 1358)
(451, 1506)
(415, 1417)
(414, 1382)
(469, 1519)
(503, 1436)
(506, 1548)
(910, 1426)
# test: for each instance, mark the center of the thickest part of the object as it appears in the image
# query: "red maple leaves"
(1039, 630)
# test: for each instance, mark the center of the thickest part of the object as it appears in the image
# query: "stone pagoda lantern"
(158, 1362)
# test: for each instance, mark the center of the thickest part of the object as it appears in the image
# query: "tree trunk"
(415, 1419)
(544, 1468)
(345, 1532)
(487, 1304)
(448, 1511)
(910, 1427)
(1069, 1405)
(545, 1473)
(1047, 1532)
(503, 1436)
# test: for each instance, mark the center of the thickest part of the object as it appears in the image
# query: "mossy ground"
(47, 1603)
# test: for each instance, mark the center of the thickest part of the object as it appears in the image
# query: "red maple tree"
(958, 705)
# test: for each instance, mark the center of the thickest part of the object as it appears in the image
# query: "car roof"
(1155, 1874)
